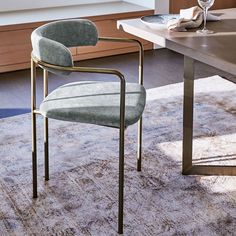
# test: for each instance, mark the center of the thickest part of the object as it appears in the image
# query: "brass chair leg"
(121, 182)
(139, 153)
(46, 153)
(34, 155)
(121, 157)
(34, 136)
(140, 123)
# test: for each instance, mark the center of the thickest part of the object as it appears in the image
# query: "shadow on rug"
(81, 196)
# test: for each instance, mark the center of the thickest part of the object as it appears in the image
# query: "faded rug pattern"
(81, 196)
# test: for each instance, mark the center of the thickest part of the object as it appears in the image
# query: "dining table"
(217, 50)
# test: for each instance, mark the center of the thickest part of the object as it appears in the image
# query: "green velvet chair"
(113, 104)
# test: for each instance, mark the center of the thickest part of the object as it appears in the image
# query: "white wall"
(162, 6)
(144, 3)
(11, 5)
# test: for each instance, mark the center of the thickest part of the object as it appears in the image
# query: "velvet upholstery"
(94, 103)
(86, 102)
(50, 42)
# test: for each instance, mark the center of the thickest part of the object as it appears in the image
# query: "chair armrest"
(79, 69)
(121, 40)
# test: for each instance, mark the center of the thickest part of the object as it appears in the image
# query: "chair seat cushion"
(94, 103)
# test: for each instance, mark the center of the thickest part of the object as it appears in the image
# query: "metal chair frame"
(36, 62)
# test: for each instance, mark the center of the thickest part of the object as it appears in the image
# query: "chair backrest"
(50, 42)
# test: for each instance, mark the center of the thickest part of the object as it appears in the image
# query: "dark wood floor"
(161, 67)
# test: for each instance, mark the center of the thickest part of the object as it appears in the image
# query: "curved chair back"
(50, 42)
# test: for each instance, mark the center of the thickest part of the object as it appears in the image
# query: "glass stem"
(205, 17)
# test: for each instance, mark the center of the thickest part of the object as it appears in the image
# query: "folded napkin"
(189, 18)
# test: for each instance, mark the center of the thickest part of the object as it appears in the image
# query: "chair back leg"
(140, 122)
(139, 153)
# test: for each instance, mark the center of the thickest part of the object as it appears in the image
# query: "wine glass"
(205, 5)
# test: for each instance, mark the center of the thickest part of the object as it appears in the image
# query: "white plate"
(159, 20)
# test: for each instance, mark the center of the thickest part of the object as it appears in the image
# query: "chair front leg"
(121, 181)
(33, 120)
(121, 158)
(34, 155)
(46, 152)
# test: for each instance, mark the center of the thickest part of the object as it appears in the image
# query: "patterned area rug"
(81, 196)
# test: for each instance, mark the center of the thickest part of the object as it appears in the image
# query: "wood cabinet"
(176, 5)
(15, 44)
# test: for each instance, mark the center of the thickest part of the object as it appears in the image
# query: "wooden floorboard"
(161, 67)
